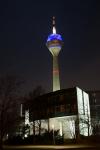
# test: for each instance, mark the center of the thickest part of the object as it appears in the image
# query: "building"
(94, 103)
(65, 110)
(94, 97)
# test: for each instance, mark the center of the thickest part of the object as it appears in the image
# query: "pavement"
(61, 147)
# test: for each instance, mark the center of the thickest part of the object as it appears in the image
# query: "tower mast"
(54, 44)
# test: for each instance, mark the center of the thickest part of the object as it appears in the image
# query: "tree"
(30, 103)
(9, 88)
(30, 98)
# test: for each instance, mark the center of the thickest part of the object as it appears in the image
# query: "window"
(57, 108)
(62, 108)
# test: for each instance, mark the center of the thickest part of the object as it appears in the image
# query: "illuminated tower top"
(54, 41)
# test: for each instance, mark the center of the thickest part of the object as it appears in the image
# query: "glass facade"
(84, 113)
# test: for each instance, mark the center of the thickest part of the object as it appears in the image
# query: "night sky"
(24, 28)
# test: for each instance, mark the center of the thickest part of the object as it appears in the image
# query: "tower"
(54, 44)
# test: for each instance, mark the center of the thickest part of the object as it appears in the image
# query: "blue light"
(54, 37)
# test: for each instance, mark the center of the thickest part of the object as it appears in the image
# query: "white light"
(84, 112)
(53, 126)
(31, 128)
(54, 30)
(27, 117)
(7, 136)
(60, 128)
(26, 135)
(87, 115)
(65, 125)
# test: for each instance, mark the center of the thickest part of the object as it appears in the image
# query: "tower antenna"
(54, 28)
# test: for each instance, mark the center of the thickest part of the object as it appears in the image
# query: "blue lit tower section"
(54, 44)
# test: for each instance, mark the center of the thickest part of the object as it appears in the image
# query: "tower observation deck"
(54, 44)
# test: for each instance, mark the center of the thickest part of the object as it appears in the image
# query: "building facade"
(95, 110)
(65, 110)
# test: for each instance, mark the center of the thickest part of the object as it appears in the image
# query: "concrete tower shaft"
(56, 79)
(54, 44)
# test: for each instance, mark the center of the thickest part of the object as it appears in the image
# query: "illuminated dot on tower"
(54, 44)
